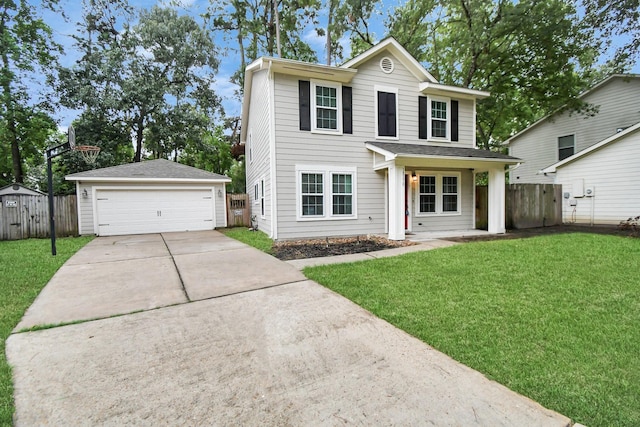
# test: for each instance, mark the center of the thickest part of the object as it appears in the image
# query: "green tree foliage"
(238, 176)
(250, 26)
(348, 17)
(533, 56)
(616, 19)
(211, 152)
(145, 74)
(26, 48)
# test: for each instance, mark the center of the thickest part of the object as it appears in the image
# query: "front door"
(407, 196)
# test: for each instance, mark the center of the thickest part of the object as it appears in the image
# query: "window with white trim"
(439, 118)
(262, 198)
(342, 193)
(438, 193)
(325, 192)
(256, 193)
(327, 107)
(250, 144)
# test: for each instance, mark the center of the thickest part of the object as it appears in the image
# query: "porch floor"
(425, 236)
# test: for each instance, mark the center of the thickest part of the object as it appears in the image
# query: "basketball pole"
(52, 221)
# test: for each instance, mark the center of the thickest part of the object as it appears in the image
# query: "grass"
(556, 318)
(257, 239)
(25, 267)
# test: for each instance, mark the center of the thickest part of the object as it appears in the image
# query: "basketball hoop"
(88, 152)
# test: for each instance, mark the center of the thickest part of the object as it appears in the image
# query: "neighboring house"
(374, 146)
(565, 133)
(600, 183)
(153, 196)
(594, 158)
(17, 189)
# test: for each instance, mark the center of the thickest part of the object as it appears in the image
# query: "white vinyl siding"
(612, 172)
(617, 103)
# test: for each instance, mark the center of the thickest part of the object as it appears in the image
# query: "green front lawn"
(25, 267)
(556, 318)
(257, 239)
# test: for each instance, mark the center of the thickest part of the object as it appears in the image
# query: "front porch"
(431, 189)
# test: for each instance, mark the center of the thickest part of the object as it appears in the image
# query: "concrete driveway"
(199, 329)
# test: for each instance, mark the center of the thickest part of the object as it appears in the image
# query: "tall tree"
(26, 48)
(350, 17)
(618, 19)
(532, 55)
(147, 71)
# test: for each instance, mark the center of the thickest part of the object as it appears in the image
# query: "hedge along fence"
(526, 206)
(24, 217)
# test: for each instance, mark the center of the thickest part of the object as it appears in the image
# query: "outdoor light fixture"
(414, 177)
(219, 193)
(85, 194)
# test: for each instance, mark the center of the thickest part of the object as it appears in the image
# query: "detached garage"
(154, 196)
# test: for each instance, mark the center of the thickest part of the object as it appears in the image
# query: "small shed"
(17, 189)
(153, 196)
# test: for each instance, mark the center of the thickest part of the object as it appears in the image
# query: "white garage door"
(153, 211)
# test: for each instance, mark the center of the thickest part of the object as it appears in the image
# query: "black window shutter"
(423, 120)
(304, 98)
(454, 120)
(347, 113)
(386, 114)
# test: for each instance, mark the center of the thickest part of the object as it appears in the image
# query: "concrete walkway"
(219, 333)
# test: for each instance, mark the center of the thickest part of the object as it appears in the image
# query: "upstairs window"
(439, 123)
(566, 146)
(326, 107)
(437, 118)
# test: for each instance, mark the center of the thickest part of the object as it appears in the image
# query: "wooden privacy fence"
(238, 210)
(24, 217)
(526, 206)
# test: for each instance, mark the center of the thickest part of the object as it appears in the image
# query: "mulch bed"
(299, 249)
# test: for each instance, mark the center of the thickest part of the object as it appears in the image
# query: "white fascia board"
(455, 158)
(150, 180)
(453, 90)
(594, 147)
(388, 155)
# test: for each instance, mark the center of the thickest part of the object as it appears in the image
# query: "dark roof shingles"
(436, 150)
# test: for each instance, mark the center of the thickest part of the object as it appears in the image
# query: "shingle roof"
(439, 151)
(149, 169)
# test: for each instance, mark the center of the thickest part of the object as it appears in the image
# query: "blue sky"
(229, 63)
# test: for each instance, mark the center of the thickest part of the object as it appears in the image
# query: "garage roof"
(149, 171)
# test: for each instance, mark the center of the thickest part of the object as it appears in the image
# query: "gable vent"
(386, 64)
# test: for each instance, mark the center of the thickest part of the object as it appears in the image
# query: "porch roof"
(394, 150)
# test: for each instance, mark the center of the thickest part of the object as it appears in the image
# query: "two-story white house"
(373, 146)
(594, 157)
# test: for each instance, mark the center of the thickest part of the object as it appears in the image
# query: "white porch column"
(396, 202)
(496, 201)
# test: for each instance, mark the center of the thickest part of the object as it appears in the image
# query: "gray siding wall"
(85, 209)
(463, 221)
(616, 188)
(618, 108)
(303, 148)
(259, 136)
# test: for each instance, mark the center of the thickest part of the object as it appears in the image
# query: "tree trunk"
(16, 159)
(139, 139)
(329, 32)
